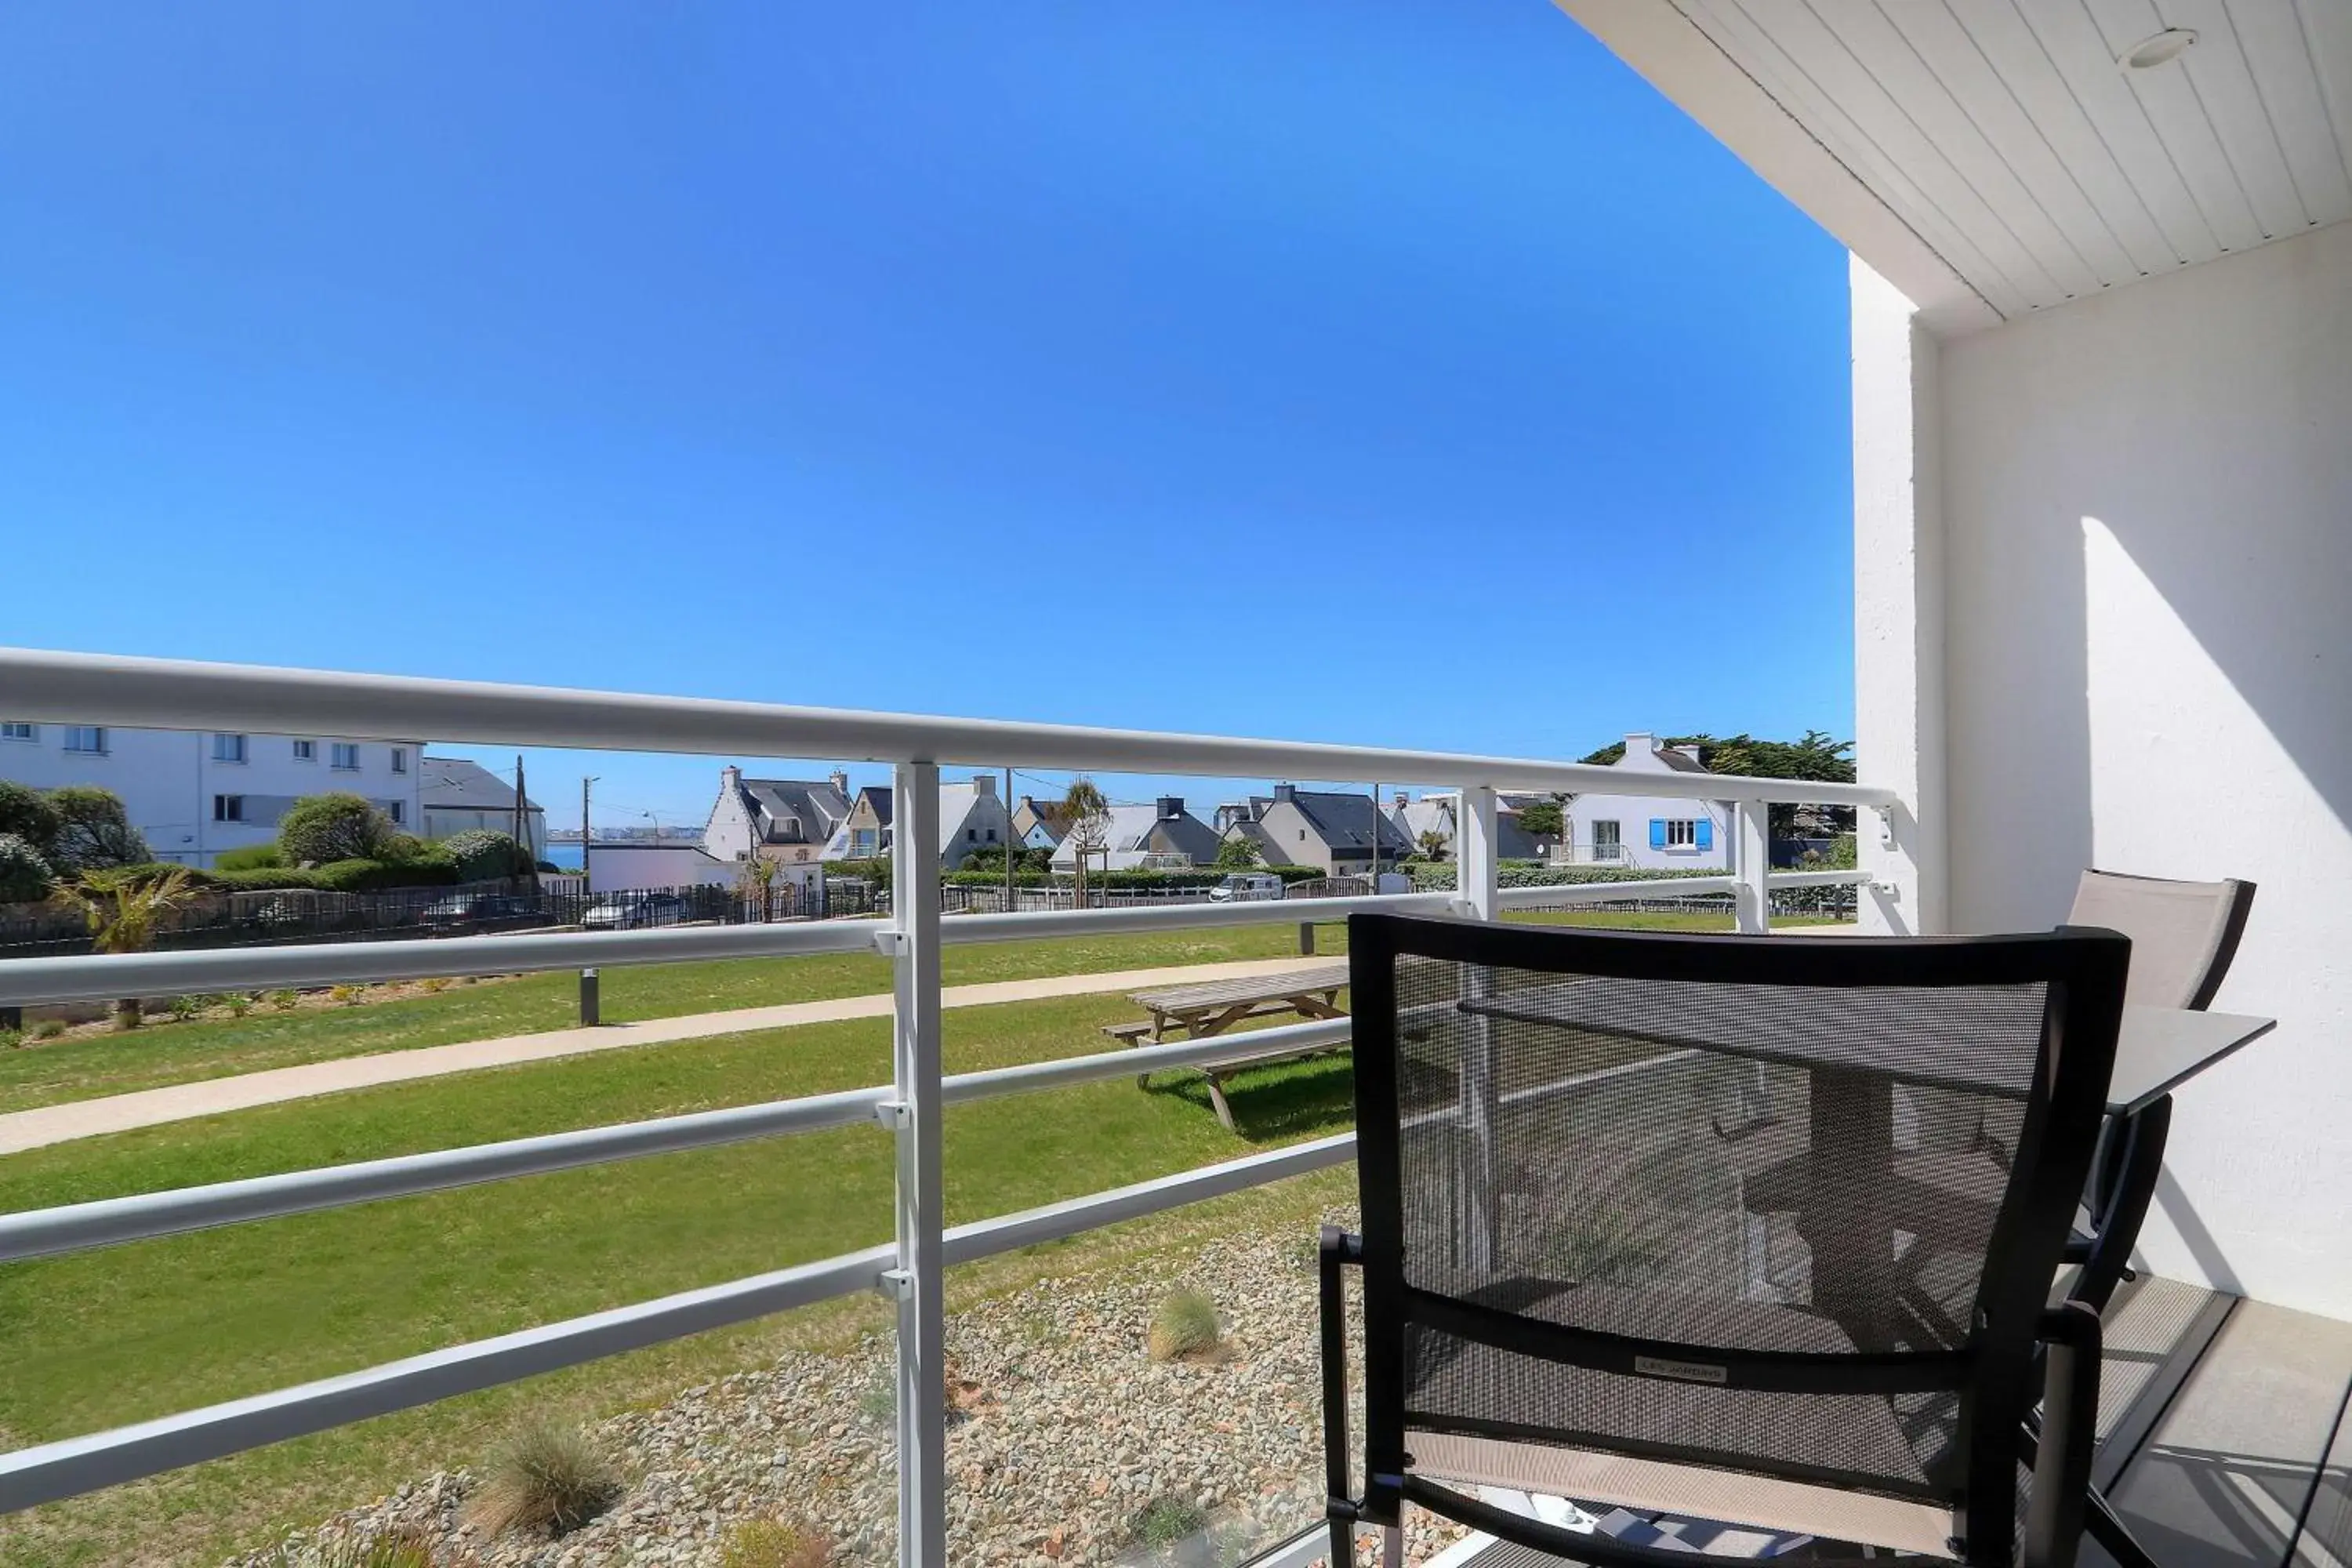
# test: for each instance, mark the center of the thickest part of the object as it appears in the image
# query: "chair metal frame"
(2083, 971)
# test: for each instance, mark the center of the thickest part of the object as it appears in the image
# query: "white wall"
(2148, 583)
(167, 779)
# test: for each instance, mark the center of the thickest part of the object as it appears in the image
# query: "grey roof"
(1680, 761)
(796, 811)
(880, 796)
(1348, 821)
(460, 783)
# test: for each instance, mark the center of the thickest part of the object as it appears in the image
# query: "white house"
(619, 867)
(1643, 831)
(784, 820)
(457, 794)
(972, 817)
(194, 793)
(1149, 833)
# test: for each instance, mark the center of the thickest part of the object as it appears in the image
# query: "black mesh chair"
(1567, 1287)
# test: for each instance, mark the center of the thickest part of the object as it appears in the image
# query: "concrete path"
(48, 1124)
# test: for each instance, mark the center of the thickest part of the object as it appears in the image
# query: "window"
(20, 731)
(229, 808)
(1682, 832)
(399, 762)
(86, 738)
(992, 836)
(344, 756)
(305, 751)
(228, 749)
(1606, 844)
(398, 811)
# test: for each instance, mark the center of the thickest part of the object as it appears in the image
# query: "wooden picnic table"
(1202, 1011)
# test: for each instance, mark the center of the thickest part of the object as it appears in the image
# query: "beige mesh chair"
(2183, 934)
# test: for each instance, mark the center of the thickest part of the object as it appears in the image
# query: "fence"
(280, 917)
(910, 1272)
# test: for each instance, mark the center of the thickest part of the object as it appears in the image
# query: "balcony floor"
(2223, 1436)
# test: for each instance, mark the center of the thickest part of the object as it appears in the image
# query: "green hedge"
(1525, 874)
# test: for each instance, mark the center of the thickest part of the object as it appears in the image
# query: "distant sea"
(564, 855)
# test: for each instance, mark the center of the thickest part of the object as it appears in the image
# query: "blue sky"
(1356, 369)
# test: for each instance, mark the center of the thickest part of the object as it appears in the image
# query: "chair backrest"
(2183, 934)
(1656, 1197)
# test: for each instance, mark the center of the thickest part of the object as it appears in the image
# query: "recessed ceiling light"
(2156, 49)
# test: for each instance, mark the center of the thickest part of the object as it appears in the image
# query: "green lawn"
(99, 1338)
(164, 1052)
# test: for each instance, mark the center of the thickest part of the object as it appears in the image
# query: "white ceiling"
(2006, 137)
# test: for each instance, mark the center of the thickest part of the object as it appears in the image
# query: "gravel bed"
(1063, 1433)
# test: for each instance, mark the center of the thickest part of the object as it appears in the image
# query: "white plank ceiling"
(2008, 137)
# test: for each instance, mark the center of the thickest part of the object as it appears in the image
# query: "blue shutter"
(1657, 833)
(1706, 833)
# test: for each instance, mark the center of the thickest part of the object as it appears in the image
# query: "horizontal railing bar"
(1031, 1076)
(176, 694)
(1054, 1222)
(94, 977)
(110, 1222)
(1816, 878)
(1599, 892)
(52, 1471)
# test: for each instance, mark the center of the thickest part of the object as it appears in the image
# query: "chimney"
(1285, 792)
(984, 785)
(839, 780)
(1400, 802)
(1640, 743)
(731, 778)
(1171, 806)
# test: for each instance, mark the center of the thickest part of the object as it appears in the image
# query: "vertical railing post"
(919, 1279)
(1477, 880)
(1752, 865)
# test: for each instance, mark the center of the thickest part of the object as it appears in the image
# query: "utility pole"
(585, 885)
(522, 828)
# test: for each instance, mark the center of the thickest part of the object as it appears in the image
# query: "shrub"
(323, 828)
(241, 1003)
(435, 986)
(430, 870)
(771, 1543)
(1165, 1520)
(27, 813)
(251, 857)
(400, 1549)
(283, 1001)
(24, 870)
(1185, 1328)
(11, 1038)
(184, 1008)
(548, 1477)
(49, 1028)
(480, 855)
(345, 996)
(94, 833)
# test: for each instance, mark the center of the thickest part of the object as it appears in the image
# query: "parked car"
(1246, 888)
(467, 909)
(633, 912)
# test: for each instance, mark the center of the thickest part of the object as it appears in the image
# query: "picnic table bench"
(1200, 1012)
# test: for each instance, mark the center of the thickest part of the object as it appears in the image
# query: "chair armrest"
(2069, 1419)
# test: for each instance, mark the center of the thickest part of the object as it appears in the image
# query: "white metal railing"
(60, 688)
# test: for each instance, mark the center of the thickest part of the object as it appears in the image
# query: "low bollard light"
(587, 997)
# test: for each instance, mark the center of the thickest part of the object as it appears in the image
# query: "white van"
(1246, 888)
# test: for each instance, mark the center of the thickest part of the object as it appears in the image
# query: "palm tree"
(124, 907)
(1089, 817)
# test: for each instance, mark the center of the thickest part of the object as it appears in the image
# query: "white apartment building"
(195, 793)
